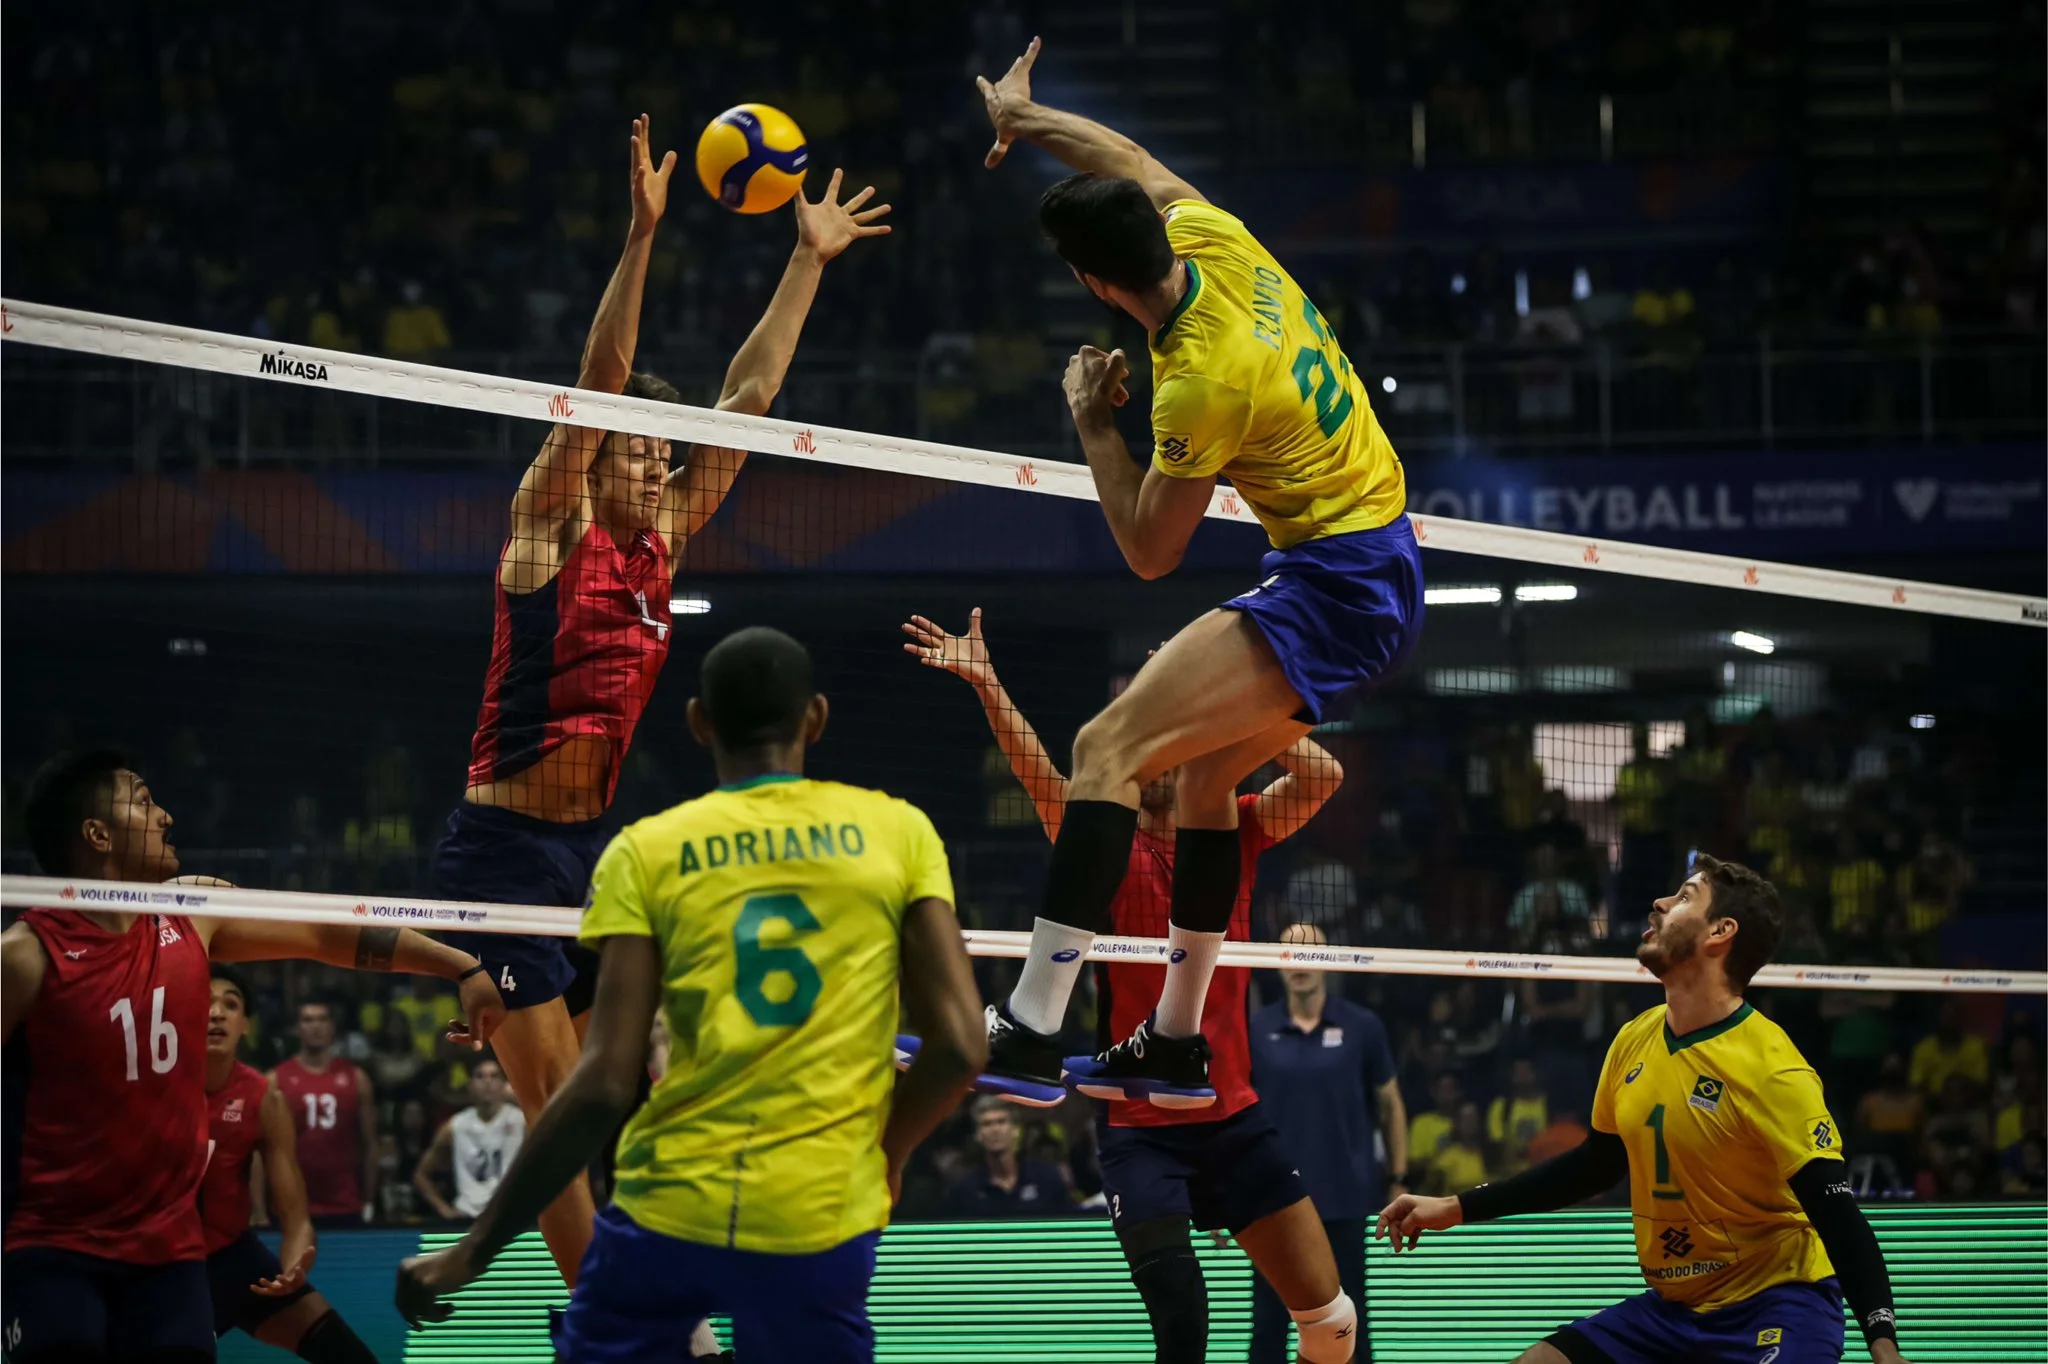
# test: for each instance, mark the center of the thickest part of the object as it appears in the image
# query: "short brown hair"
(1746, 897)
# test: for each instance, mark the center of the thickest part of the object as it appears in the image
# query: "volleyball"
(751, 158)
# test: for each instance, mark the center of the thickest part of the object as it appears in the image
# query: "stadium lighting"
(1545, 592)
(1756, 644)
(1922, 722)
(1460, 596)
(689, 606)
(1387, 385)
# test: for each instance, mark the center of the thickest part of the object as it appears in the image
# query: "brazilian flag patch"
(1770, 1336)
(1706, 1093)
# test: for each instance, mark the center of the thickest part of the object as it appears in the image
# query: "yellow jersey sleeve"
(1789, 1115)
(929, 877)
(1604, 1119)
(618, 896)
(1198, 425)
(1192, 224)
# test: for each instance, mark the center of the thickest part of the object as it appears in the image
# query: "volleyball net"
(270, 570)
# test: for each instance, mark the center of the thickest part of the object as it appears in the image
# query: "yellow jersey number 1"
(753, 964)
(1317, 378)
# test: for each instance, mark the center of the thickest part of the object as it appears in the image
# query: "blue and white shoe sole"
(1081, 1075)
(1025, 1092)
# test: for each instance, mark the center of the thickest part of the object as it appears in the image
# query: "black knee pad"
(1169, 1279)
(329, 1340)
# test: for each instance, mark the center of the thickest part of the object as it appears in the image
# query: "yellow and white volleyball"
(752, 158)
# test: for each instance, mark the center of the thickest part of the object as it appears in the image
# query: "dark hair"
(640, 385)
(233, 977)
(318, 1003)
(1744, 896)
(1106, 226)
(755, 686)
(65, 792)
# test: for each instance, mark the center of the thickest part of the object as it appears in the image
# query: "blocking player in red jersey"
(1220, 1165)
(254, 1289)
(582, 629)
(104, 1010)
(333, 1109)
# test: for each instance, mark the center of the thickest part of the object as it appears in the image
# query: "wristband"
(479, 967)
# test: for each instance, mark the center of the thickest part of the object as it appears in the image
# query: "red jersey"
(327, 1109)
(1131, 990)
(113, 1126)
(235, 1130)
(579, 655)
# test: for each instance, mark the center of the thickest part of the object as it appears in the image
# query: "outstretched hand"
(964, 656)
(1407, 1217)
(829, 227)
(1007, 99)
(650, 185)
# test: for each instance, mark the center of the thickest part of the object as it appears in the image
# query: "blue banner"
(1797, 507)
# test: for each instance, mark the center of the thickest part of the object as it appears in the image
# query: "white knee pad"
(1329, 1334)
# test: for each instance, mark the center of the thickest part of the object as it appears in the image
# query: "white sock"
(1053, 965)
(1191, 960)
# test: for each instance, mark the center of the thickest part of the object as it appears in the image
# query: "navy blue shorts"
(503, 857)
(1792, 1323)
(63, 1305)
(234, 1269)
(1226, 1174)
(1342, 613)
(639, 1294)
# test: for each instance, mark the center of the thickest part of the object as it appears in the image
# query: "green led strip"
(1971, 1284)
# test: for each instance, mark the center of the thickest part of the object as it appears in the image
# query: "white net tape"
(25, 892)
(339, 371)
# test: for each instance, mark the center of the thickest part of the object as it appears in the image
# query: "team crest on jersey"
(1173, 449)
(166, 932)
(1770, 1335)
(233, 1111)
(1706, 1093)
(1821, 1132)
(1633, 1071)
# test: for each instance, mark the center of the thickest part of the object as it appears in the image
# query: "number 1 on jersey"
(163, 1037)
(1664, 1187)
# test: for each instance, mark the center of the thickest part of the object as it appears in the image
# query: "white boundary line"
(27, 892)
(158, 343)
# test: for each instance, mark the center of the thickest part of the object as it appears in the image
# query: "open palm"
(964, 656)
(829, 227)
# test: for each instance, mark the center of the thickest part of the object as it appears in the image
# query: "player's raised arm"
(823, 230)
(364, 949)
(966, 657)
(1310, 775)
(580, 1116)
(554, 483)
(1081, 143)
(287, 1186)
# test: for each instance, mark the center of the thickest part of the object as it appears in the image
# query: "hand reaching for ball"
(828, 227)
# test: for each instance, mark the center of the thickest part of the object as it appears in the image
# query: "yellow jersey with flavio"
(1715, 1123)
(1248, 382)
(777, 907)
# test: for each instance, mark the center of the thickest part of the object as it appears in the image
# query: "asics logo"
(1066, 954)
(1178, 955)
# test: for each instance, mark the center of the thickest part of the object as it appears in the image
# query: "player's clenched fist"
(1407, 1217)
(1095, 383)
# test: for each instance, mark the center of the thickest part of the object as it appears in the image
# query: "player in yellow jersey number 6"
(1248, 384)
(1746, 1229)
(773, 923)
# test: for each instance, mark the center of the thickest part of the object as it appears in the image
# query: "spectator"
(1002, 1185)
(1430, 1131)
(334, 1109)
(1642, 792)
(2023, 1083)
(1931, 886)
(1515, 1119)
(1957, 1136)
(1855, 886)
(415, 329)
(1548, 898)
(1462, 1162)
(394, 1065)
(1949, 1051)
(2024, 1173)
(427, 1006)
(476, 1146)
(1890, 1118)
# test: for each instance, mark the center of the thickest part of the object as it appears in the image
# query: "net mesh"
(282, 599)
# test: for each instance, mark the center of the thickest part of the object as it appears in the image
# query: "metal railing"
(1452, 398)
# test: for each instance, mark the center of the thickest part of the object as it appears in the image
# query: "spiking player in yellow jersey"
(773, 923)
(1746, 1230)
(1249, 384)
